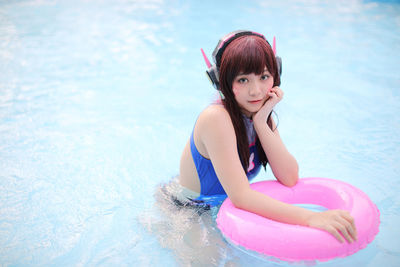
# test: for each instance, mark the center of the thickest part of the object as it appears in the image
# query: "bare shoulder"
(214, 132)
(215, 118)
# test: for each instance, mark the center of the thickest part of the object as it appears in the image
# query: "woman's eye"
(242, 80)
(264, 77)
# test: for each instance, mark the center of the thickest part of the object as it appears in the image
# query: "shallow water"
(97, 99)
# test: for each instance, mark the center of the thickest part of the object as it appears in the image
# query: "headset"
(213, 70)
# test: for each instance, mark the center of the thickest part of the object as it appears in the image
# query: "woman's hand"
(275, 94)
(337, 222)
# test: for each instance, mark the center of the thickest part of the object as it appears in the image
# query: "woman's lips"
(255, 101)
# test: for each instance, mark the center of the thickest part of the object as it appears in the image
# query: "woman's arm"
(217, 136)
(283, 164)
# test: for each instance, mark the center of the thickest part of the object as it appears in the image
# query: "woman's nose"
(255, 88)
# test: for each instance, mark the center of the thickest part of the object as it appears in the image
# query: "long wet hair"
(246, 54)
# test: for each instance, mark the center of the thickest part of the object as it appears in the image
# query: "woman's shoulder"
(214, 115)
(214, 127)
(214, 121)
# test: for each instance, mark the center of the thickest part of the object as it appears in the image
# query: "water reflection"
(189, 232)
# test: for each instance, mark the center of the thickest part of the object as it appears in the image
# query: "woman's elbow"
(293, 181)
(293, 176)
(290, 180)
(239, 200)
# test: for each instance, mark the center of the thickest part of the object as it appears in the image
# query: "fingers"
(346, 215)
(275, 93)
(339, 223)
(276, 90)
(351, 226)
(344, 231)
(272, 95)
(339, 231)
(344, 223)
(333, 231)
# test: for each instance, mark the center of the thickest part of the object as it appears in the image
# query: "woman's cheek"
(271, 84)
(235, 91)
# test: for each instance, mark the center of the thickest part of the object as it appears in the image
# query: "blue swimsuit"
(209, 182)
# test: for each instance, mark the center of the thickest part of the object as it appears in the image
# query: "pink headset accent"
(274, 46)
(205, 58)
(227, 38)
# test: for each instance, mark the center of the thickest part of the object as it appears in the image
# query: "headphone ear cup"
(212, 74)
(279, 65)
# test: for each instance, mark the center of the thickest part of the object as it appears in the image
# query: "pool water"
(98, 98)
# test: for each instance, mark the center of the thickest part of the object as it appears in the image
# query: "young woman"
(232, 139)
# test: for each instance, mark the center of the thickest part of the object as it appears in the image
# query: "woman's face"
(250, 91)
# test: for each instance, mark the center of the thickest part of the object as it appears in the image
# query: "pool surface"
(98, 98)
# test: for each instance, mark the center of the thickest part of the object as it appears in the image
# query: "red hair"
(246, 54)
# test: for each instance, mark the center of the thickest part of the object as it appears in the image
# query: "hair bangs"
(252, 59)
(249, 54)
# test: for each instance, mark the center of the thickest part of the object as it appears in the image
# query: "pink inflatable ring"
(298, 243)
